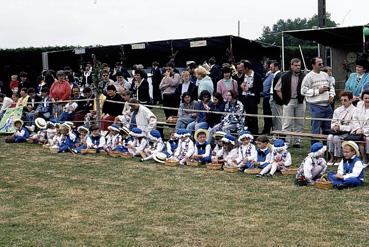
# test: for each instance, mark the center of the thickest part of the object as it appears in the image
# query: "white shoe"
(330, 164)
(365, 165)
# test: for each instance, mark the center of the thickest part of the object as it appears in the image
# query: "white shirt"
(7, 103)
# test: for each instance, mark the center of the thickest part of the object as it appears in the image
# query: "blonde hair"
(201, 71)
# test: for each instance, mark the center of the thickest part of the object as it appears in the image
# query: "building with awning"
(345, 46)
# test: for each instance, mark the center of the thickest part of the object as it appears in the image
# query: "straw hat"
(41, 123)
(18, 121)
(160, 157)
(353, 145)
(124, 131)
(199, 131)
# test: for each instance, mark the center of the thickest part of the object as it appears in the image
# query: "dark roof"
(339, 37)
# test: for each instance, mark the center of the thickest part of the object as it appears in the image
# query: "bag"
(354, 137)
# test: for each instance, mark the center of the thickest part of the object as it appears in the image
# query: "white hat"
(41, 123)
(160, 157)
(83, 128)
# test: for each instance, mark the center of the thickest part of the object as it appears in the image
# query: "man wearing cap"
(350, 172)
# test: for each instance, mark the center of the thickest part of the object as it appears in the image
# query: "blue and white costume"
(96, 142)
(313, 167)
(156, 144)
(279, 159)
(139, 142)
(185, 147)
(203, 149)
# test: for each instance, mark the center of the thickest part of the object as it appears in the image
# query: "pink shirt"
(62, 90)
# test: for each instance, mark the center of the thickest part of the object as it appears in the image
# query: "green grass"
(73, 200)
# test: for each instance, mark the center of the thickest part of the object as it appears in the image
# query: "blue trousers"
(80, 148)
(350, 182)
(249, 165)
(317, 111)
(204, 160)
(20, 139)
(64, 148)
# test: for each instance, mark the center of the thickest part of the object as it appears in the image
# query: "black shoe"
(269, 175)
(259, 175)
(341, 186)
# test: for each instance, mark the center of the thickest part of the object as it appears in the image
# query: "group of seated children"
(180, 148)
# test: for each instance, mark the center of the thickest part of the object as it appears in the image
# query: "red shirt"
(14, 84)
(62, 90)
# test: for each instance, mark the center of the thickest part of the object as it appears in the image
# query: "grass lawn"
(95, 200)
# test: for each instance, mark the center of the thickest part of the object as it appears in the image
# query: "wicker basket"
(289, 171)
(325, 185)
(54, 150)
(126, 155)
(193, 163)
(170, 162)
(231, 169)
(88, 151)
(114, 154)
(215, 166)
(253, 171)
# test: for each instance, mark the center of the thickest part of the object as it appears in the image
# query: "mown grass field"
(74, 200)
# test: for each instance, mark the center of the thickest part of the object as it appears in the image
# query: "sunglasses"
(105, 75)
(320, 64)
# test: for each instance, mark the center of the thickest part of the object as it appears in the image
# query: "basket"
(289, 171)
(325, 185)
(54, 150)
(88, 151)
(126, 155)
(215, 166)
(170, 162)
(193, 163)
(231, 169)
(114, 154)
(31, 141)
(253, 171)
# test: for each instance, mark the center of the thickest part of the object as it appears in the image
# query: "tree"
(273, 35)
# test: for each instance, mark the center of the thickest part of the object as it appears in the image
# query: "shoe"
(142, 160)
(269, 175)
(341, 186)
(259, 175)
(330, 164)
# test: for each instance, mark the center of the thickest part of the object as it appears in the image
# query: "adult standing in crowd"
(191, 66)
(140, 87)
(204, 82)
(168, 86)
(227, 83)
(60, 90)
(267, 84)
(215, 72)
(358, 81)
(288, 89)
(250, 96)
(276, 104)
(24, 82)
(156, 77)
(240, 75)
(121, 84)
(340, 127)
(319, 93)
(185, 86)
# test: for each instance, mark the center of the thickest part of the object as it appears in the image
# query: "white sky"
(25, 23)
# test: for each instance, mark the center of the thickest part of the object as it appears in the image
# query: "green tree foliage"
(273, 35)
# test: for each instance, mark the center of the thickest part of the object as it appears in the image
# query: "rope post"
(96, 77)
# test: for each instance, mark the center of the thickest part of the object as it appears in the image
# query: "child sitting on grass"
(113, 140)
(21, 133)
(95, 140)
(247, 154)
(279, 159)
(350, 172)
(228, 153)
(155, 145)
(217, 141)
(313, 167)
(185, 147)
(202, 152)
(172, 144)
(82, 139)
(67, 139)
(139, 143)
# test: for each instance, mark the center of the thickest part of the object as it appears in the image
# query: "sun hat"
(199, 131)
(40, 123)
